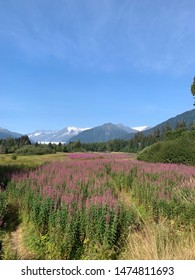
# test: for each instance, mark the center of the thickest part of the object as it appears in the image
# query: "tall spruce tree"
(193, 89)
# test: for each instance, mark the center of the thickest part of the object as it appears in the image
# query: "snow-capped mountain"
(106, 132)
(70, 133)
(63, 135)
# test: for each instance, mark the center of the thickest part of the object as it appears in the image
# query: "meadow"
(96, 206)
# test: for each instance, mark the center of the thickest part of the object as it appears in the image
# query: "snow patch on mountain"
(55, 136)
(140, 128)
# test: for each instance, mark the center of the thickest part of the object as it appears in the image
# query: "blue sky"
(87, 62)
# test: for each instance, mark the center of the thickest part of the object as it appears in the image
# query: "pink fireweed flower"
(92, 179)
(107, 199)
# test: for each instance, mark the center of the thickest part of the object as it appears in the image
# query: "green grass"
(30, 160)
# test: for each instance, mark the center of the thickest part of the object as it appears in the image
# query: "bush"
(35, 150)
(14, 157)
(179, 150)
(3, 207)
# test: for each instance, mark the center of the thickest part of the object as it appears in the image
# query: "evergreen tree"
(23, 140)
(193, 89)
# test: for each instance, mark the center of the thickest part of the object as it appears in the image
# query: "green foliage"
(193, 88)
(23, 146)
(10, 145)
(14, 157)
(3, 205)
(35, 150)
(178, 147)
(138, 142)
(74, 147)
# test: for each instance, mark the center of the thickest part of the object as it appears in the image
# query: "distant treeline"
(23, 146)
(10, 145)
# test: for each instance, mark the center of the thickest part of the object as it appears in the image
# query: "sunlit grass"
(161, 241)
(30, 160)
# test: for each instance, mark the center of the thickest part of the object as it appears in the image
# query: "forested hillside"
(177, 147)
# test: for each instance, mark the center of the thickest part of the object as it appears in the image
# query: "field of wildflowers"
(88, 205)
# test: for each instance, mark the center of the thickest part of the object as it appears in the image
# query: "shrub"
(180, 150)
(14, 157)
(35, 150)
(3, 207)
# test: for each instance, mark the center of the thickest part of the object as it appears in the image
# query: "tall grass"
(160, 241)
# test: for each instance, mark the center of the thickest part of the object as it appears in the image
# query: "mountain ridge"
(101, 133)
(68, 134)
(5, 133)
(187, 117)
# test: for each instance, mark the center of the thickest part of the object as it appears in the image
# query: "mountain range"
(5, 133)
(63, 135)
(110, 131)
(102, 133)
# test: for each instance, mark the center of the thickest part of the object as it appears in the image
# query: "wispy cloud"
(156, 35)
(165, 36)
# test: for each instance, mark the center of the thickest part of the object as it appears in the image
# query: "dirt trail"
(18, 247)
